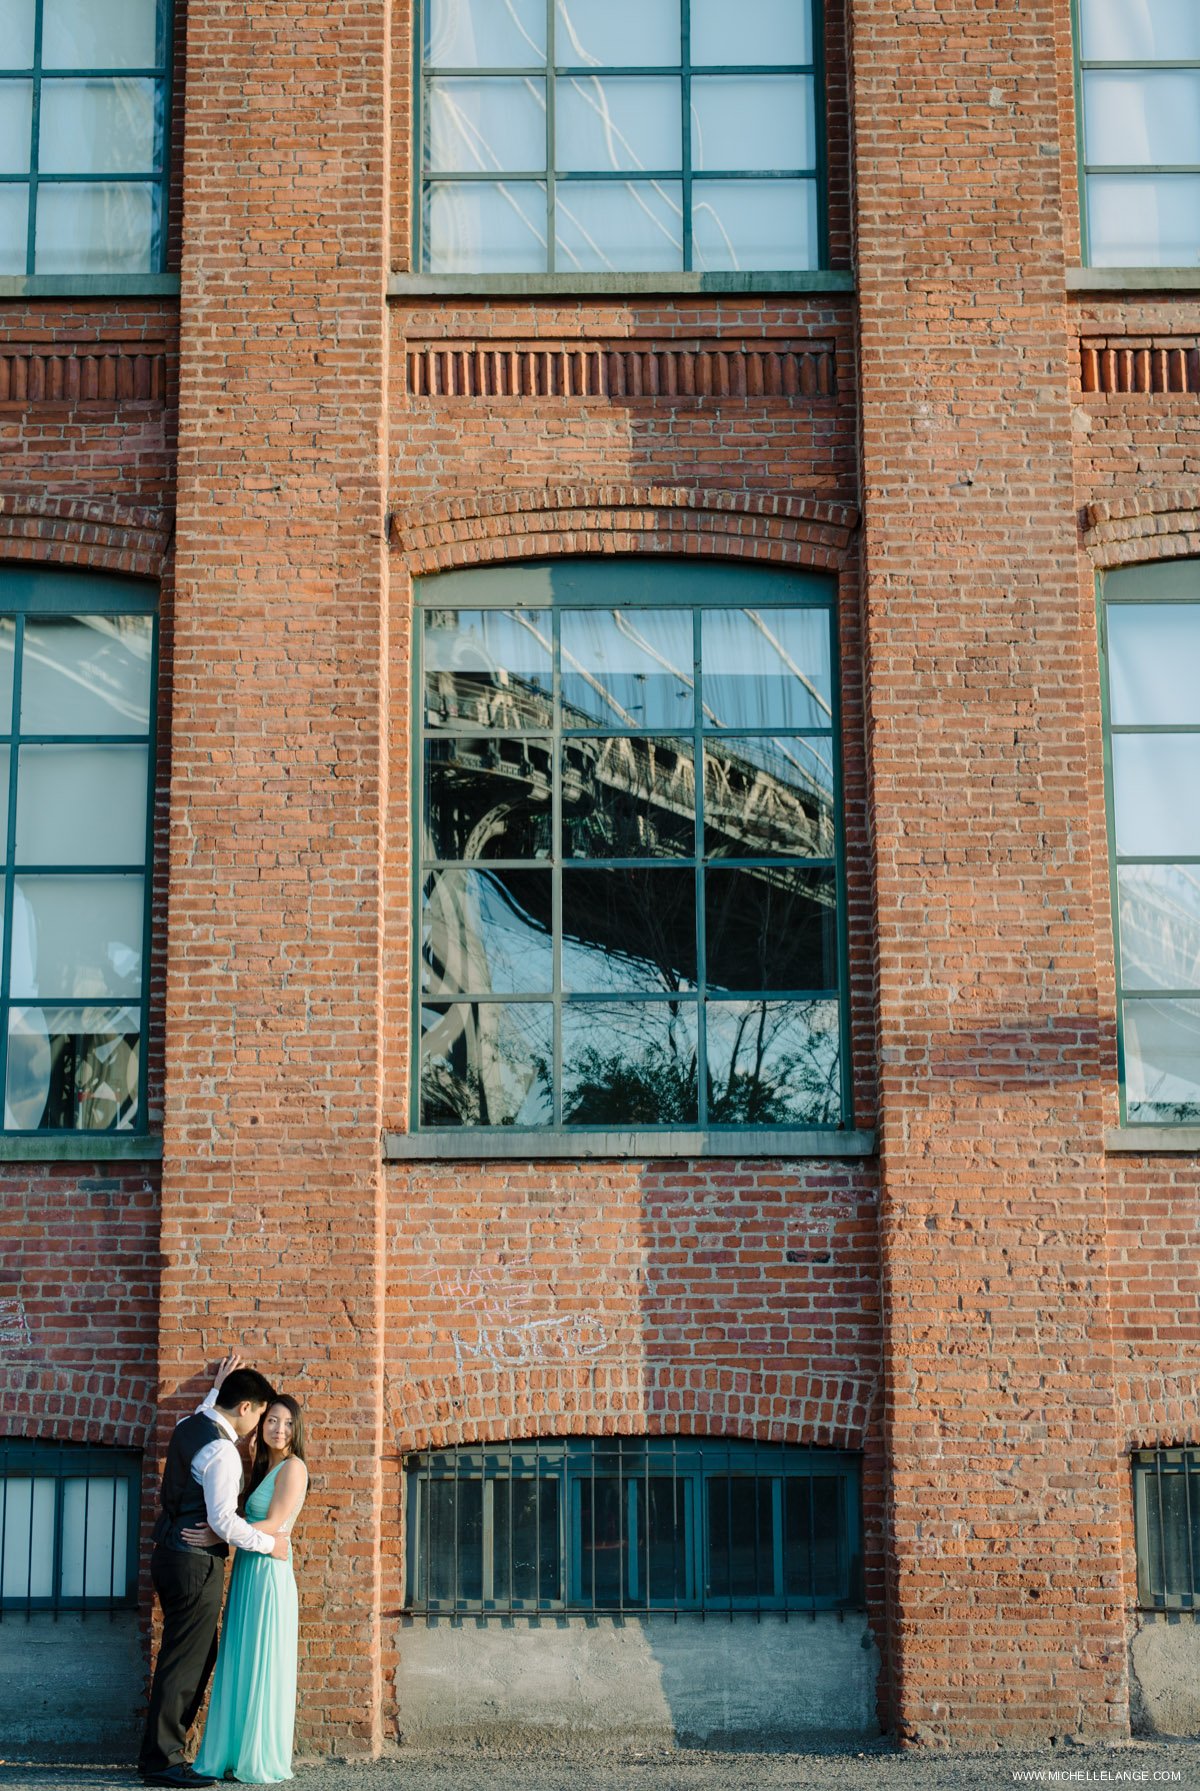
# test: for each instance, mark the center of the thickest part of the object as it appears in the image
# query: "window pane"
(487, 1064)
(99, 34)
(632, 797)
(664, 1510)
(16, 33)
(1155, 779)
(617, 33)
(766, 668)
(629, 1063)
(603, 1541)
(753, 31)
(28, 1565)
(1160, 925)
(764, 797)
(741, 1557)
(628, 931)
(529, 1544)
(1141, 117)
(82, 805)
(1143, 220)
(77, 936)
(72, 1069)
(754, 224)
(827, 1524)
(454, 1562)
(99, 228)
(627, 668)
(1154, 663)
(488, 669)
(770, 929)
(487, 797)
(485, 126)
(86, 675)
(16, 126)
(752, 121)
(8, 645)
(478, 227)
(95, 1533)
(486, 933)
(619, 226)
(5, 757)
(14, 225)
(1169, 1495)
(1162, 1061)
(773, 1063)
(798, 1538)
(617, 123)
(97, 127)
(480, 34)
(1138, 30)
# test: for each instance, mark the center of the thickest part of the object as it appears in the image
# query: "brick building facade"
(897, 1344)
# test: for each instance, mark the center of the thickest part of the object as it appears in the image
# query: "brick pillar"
(272, 1183)
(1005, 1492)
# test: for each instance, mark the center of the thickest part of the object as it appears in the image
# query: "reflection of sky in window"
(1162, 1051)
(508, 644)
(1154, 664)
(484, 941)
(1160, 926)
(627, 668)
(1155, 782)
(766, 668)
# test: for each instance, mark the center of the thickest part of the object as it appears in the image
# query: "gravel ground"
(876, 1769)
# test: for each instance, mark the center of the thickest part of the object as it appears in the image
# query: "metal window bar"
(34, 1561)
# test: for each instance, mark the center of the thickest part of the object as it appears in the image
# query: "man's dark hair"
(243, 1384)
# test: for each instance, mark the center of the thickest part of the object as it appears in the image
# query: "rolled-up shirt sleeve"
(219, 1472)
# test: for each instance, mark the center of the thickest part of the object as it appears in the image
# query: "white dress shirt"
(218, 1468)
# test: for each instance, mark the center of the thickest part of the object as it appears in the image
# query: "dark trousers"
(190, 1588)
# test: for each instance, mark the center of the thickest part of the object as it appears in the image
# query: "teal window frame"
(159, 177)
(1173, 582)
(56, 1466)
(703, 1474)
(1087, 167)
(1166, 1525)
(552, 72)
(26, 594)
(557, 587)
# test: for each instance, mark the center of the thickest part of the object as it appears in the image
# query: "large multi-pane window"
(1139, 75)
(633, 1524)
(68, 1527)
(1151, 644)
(629, 871)
(595, 136)
(1166, 1519)
(77, 670)
(83, 108)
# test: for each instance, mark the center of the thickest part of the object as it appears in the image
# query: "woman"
(252, 1712)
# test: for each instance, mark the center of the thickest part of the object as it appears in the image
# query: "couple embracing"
(252, 1714)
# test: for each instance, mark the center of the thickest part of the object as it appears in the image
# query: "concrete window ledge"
(1133, 279)
(818, 280)
(81, 1147)
(1127, 1140)
(531, 1147)
(89, 286)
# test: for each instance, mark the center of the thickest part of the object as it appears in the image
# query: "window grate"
(1166, 1502)
(68, 1528)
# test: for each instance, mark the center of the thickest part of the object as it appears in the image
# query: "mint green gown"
(252, 1712)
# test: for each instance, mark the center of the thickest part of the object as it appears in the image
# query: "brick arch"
(88, 534)
(1161, 525)
(624, 519)
(68, 1413)
(807, 1408)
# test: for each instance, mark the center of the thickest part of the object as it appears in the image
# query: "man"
(200, 1483)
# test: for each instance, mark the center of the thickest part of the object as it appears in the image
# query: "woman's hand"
(200, 1536)
(226, 1367)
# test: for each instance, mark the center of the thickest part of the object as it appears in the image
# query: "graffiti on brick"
(14, 1325)
(501, 1308)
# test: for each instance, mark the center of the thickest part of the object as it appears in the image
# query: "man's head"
(244, 1397)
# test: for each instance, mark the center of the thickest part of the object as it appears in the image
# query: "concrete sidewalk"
(875, 1768)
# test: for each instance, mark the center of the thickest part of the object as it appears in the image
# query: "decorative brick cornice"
(665, 371)
(1111, 365)
(103, 537)
(610, 519)
(70, 373)
(1163, 525)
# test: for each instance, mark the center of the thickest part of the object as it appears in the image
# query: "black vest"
(182, 1496)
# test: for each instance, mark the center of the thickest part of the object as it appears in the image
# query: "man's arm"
(219, 1472)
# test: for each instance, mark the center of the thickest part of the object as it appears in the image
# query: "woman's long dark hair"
(261, 1458)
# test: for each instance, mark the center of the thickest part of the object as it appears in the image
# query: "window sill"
(89, 286)
(1133, 279)
(404, 285)
(79, 1147)
(536, 1147)
(1153, 1140)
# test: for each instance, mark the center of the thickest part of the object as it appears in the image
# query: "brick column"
(1005, 1482)
(271, 1195)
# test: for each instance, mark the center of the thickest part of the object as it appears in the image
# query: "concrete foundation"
(1164, 1660)
(72, 1687)
(690, 1683)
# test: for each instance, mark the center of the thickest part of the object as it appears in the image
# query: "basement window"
(1166, 1510)
(68, 1527)
(633, 1525)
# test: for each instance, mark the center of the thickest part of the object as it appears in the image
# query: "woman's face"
(277, 1428)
